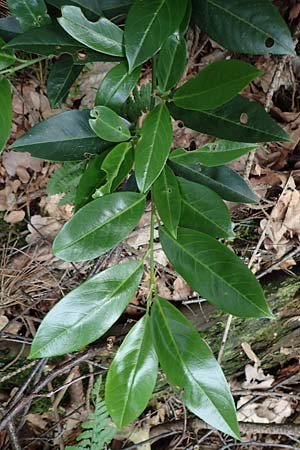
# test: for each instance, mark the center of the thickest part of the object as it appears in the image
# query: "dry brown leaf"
(42, 227)
(14, 217)
(12, 160)
(181, 289)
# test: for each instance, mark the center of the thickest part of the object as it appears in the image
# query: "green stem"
(23, 65)
(154, 76)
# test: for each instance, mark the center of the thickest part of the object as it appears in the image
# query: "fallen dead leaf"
(14, 217)
(12, 160)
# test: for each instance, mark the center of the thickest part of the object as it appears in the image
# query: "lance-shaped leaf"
(213, 154)
(108, 8)
(116, 166)
(103, 36)
(153, 148)
(167, 199)
(214, 271)
(63, 137)
(5, 112)
(98, 226)
(87, 312)
(7, 57)
(215, 85)
(132, 375)
(61, 77)
(223, 180)
(117, 86)
(171, 62)
(108, 125)
(204, 210)
(30, 13)
(189, 363)
(234, 25)
(9, 28)
(148, 25)
(238, 120)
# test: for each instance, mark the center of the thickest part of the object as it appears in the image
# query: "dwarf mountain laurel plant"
(116, 162)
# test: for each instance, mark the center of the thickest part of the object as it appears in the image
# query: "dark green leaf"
(215, 85)
(186, 18)
(102, 36)
(7, 57)
(153, 148)
(214, 271)
(30, 13)
(9, 28)
(117, 86)
(92, 178)
(53, 40)
(132, 375)
(138, 103)
(148, 25)
(88, 311)
(245, 27)
(171, 62)
(167, 200)
(116, 166)
(189, 363)
(223, 180)
(91, 8)
(61, 77)
(5, 112)
(238, 120)
(203, 210)
(108, 125)
(63, 137)
(212, 154)
(98, 226)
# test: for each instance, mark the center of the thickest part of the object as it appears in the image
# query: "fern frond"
(65, 180)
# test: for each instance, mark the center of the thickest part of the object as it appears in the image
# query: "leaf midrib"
(190, 205)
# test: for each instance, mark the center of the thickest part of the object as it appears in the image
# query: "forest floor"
(44, 402)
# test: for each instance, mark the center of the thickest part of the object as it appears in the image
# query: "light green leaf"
(98, 226)
(204, 210)
(167, 199)
(87, 312)
(117, 86)
(61, 77)
(214, 271)
(108, 125)
(215, 85)
(213, 154)
(103, 36)
(112, 166)
(189, 363)
(5, 112)
(132, 375)
(64, 137)
(153, 148)
(243, 26)
(30, 13)
(148, 25)
(171, 62)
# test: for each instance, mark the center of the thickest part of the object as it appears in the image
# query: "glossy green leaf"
(103, 35)
(109, 8)
(92, 178)
(7, 57)
(214, 271)
(98, 226)
(222, 179)
(215, 85)
(61, 77)
(213, 154)
(132, 375)
(171, 62)
(238, 120)
(87, 312)
(64, 137)
(153, 148)
(254, 27)
(117, 86)
(148, 25)
(53, 40)
(189, 363)
(167, 199)
(30, 13)
(9, 28)
(5, 112)
(118, 161)
(108, 125)
(184, 25)
(204, 210)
